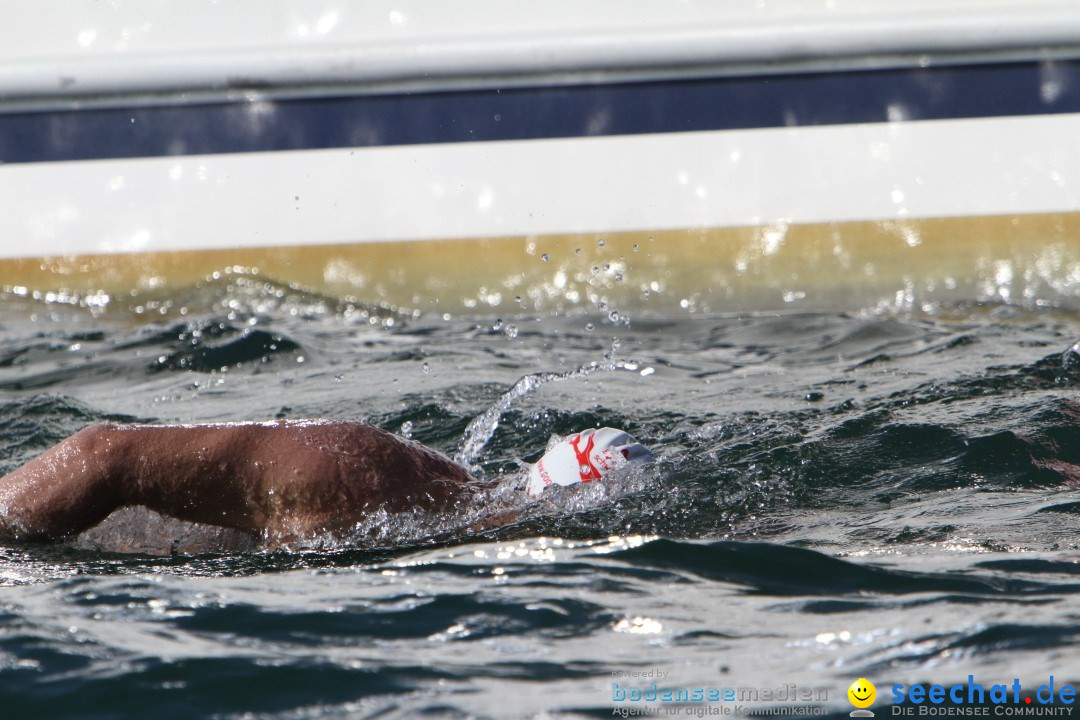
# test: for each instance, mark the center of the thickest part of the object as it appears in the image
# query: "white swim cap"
(584, 457)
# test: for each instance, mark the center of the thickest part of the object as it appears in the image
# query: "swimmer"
(280, 481)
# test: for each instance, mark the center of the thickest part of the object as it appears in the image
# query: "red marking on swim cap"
(584, 460)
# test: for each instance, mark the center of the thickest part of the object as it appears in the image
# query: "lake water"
(888, 496)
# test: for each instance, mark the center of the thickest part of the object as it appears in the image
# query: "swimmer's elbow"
(102, 440)
(92, 434)
(110, 454)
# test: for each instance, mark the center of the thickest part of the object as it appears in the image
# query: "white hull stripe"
(762, 177)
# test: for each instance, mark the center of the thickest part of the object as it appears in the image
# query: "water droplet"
(577, 250)
(589, 327)
(600, 242)
(635, 247)
(545, 257)
(498, 325)
(511, 331)
(426, 368)
(406, 429)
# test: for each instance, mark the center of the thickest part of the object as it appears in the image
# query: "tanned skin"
(280, 481)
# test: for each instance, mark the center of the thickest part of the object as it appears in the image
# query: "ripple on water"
(915, 521)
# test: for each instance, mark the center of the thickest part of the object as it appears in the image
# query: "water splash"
(483, 427)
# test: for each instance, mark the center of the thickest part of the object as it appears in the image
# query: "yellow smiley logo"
(862, 693)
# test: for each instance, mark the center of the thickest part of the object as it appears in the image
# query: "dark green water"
(839, 496)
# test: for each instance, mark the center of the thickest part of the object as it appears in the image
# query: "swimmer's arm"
(278, 484)
(66, 489)
(79, 482)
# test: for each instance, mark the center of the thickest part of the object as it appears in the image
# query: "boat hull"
(844, 185)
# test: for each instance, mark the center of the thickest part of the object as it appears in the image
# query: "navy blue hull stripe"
(989, 90)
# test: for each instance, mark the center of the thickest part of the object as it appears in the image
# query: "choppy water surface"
(839, 496)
